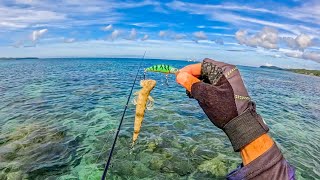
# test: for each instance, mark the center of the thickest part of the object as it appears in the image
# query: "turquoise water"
(58, 118)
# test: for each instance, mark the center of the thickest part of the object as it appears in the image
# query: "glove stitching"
(239, 97)
(231, 71)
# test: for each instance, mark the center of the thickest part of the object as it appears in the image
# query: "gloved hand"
(221, 93)
(223, 97)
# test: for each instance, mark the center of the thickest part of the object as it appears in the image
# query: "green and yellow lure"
(162, 68)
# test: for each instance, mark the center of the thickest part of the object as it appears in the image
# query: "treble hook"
(144, 75)
(167, 80)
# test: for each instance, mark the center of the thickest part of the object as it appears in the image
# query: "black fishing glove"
(224, 99)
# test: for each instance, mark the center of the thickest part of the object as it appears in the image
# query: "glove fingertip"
(196, 89)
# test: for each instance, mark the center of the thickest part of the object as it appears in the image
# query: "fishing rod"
(119, 127)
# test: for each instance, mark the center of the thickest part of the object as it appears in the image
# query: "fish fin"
(150, 98)
(150, 103)
(135, 98)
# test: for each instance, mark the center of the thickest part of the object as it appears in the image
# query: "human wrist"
(245, 128)
(256, 148)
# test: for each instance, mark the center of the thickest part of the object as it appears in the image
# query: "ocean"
(58, 119)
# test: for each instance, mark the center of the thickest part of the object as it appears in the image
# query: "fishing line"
(105, 144)
(119, 127)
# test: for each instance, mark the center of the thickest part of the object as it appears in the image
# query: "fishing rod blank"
(119, 127)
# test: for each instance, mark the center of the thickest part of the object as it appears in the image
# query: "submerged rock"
(156, 163)
(143, 157)
(216, 166)
(167, 167)
(141, 171)
(151, 146)
(180, 125)
(183, 167)
(174, 161)
(15, 176)
(33, 149)
(122, 167)
(202, 153)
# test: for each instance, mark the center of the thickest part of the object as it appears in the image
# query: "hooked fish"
(142, 101)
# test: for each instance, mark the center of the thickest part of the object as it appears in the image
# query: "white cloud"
(171, 35)
(28, 2)
(162, 33)
(18, 14)
(114, 35)
(180, 36)
(312, 55)
(134, 4)
(108, 28)
(218, 41)
(221, 34)
(234, 14)
(17, 18)
(69, 40)
(308, 12)
(303, 41)
(37, 34)
(17, 44)
(5, 24)
(144, 24)
(201, 27)
(267, 38)
(300, 42)
(309, 55)
(133, 34)
(220, 27)
(294, 54)
(200, 8)
(200, 35)
(268, 64)
(241, 36)
(240, 21)
(145, 37)
(290, 42)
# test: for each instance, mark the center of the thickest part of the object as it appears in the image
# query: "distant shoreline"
(298, 71)
(23, 58)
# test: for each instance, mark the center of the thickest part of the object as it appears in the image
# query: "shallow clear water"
(58, 118)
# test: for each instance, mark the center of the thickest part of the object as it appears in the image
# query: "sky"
(282, 33)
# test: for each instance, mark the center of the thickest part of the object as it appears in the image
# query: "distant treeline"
(23, 58)
(305, 71)
(299, 71)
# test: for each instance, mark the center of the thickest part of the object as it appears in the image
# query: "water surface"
(58, 116)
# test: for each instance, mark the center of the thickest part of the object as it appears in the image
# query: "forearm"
(262, 159)
(256, 148)
(269, 165)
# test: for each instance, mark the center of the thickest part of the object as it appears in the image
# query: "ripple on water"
(58, 118)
